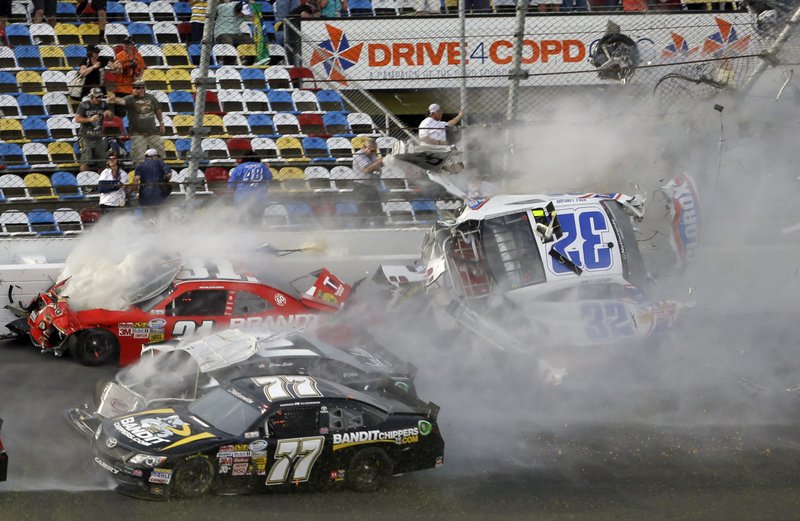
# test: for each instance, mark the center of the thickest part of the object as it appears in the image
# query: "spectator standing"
(478, 6)
(198, 19)
(249, 180)
(145, 121)
(151, 176)
(544, 6)
(284, 7)
(228, 28)
(93, 70)
(90, 115)
(129, 66)
(44, 9)
(433, 130)
(5, 14)
(99, 7)
(112, 185)
(332, 8)
(367, 173)
(423, 7)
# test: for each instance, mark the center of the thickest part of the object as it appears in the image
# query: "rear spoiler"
(388, 386)
(328, 293)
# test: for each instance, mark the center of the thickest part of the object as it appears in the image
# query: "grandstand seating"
(280, 112)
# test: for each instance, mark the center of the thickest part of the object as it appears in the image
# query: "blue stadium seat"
(115, 12)
(141, 33)
(253, 79)
(183, 11)
(31, 105)
(43, 222)
(36, 129)
(183, 146)
(299, 213)
(76, 55)
(181, 101)
(330, 101)
(11, 156)
(66, 186)
(360, 7)
(336, 124)
(262, 125)
(281, 101)
(425, 210)
(317, 150)
(28, 57)
(267, 12)
(8, 83)
(66, 12)
(18, 34)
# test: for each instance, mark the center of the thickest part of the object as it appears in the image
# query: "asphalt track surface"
(662, 431)
(636, 466)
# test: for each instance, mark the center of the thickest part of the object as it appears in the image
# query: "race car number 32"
(582, 242)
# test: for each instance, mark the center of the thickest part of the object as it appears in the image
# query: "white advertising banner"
(397, 53)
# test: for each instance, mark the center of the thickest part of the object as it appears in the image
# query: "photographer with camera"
(90, 115)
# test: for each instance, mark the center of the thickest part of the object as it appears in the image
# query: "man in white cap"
(152, 177)
(433, 130)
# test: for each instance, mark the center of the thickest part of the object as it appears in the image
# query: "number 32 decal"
(582, 242)
(607, 320)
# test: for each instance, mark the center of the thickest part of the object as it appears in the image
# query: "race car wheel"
(193, 477)
(96, 347)
(369, 469)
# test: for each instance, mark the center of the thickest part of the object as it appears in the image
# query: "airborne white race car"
(531, 271)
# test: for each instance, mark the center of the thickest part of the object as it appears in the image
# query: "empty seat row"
(421, 212)
(227, 78)
(40, 222)
(56, 56)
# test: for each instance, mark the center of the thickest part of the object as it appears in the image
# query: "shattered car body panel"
(185, 369)
(196, 300)
(566, 269)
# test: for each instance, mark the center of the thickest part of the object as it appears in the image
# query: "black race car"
(267, 432)
(3, 457)
(185, 369)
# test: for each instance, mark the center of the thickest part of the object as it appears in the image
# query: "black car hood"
(161, 431)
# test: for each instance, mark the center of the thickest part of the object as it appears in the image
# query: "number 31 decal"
(582, 242)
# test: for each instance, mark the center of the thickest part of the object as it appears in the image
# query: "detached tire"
(193, 477)
(96, 347)
(369, 469)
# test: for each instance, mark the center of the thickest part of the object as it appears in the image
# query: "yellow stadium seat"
(291, 149)
(291, 178)
(11, 130)
(53, 57)
(154, 79)
(68, 34)
(30, 82)
(90, 33)
(179, 79)
(214, 124)
(176, 55)
(40, 187)
(183, 123)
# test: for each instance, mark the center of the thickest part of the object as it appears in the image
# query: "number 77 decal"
(297, 455)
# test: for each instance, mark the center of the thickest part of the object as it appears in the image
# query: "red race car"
(184, 299)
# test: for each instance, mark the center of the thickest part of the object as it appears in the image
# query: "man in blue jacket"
(152, 176)
(249, 182)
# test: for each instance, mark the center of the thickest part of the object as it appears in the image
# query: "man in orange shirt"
(129, 66)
